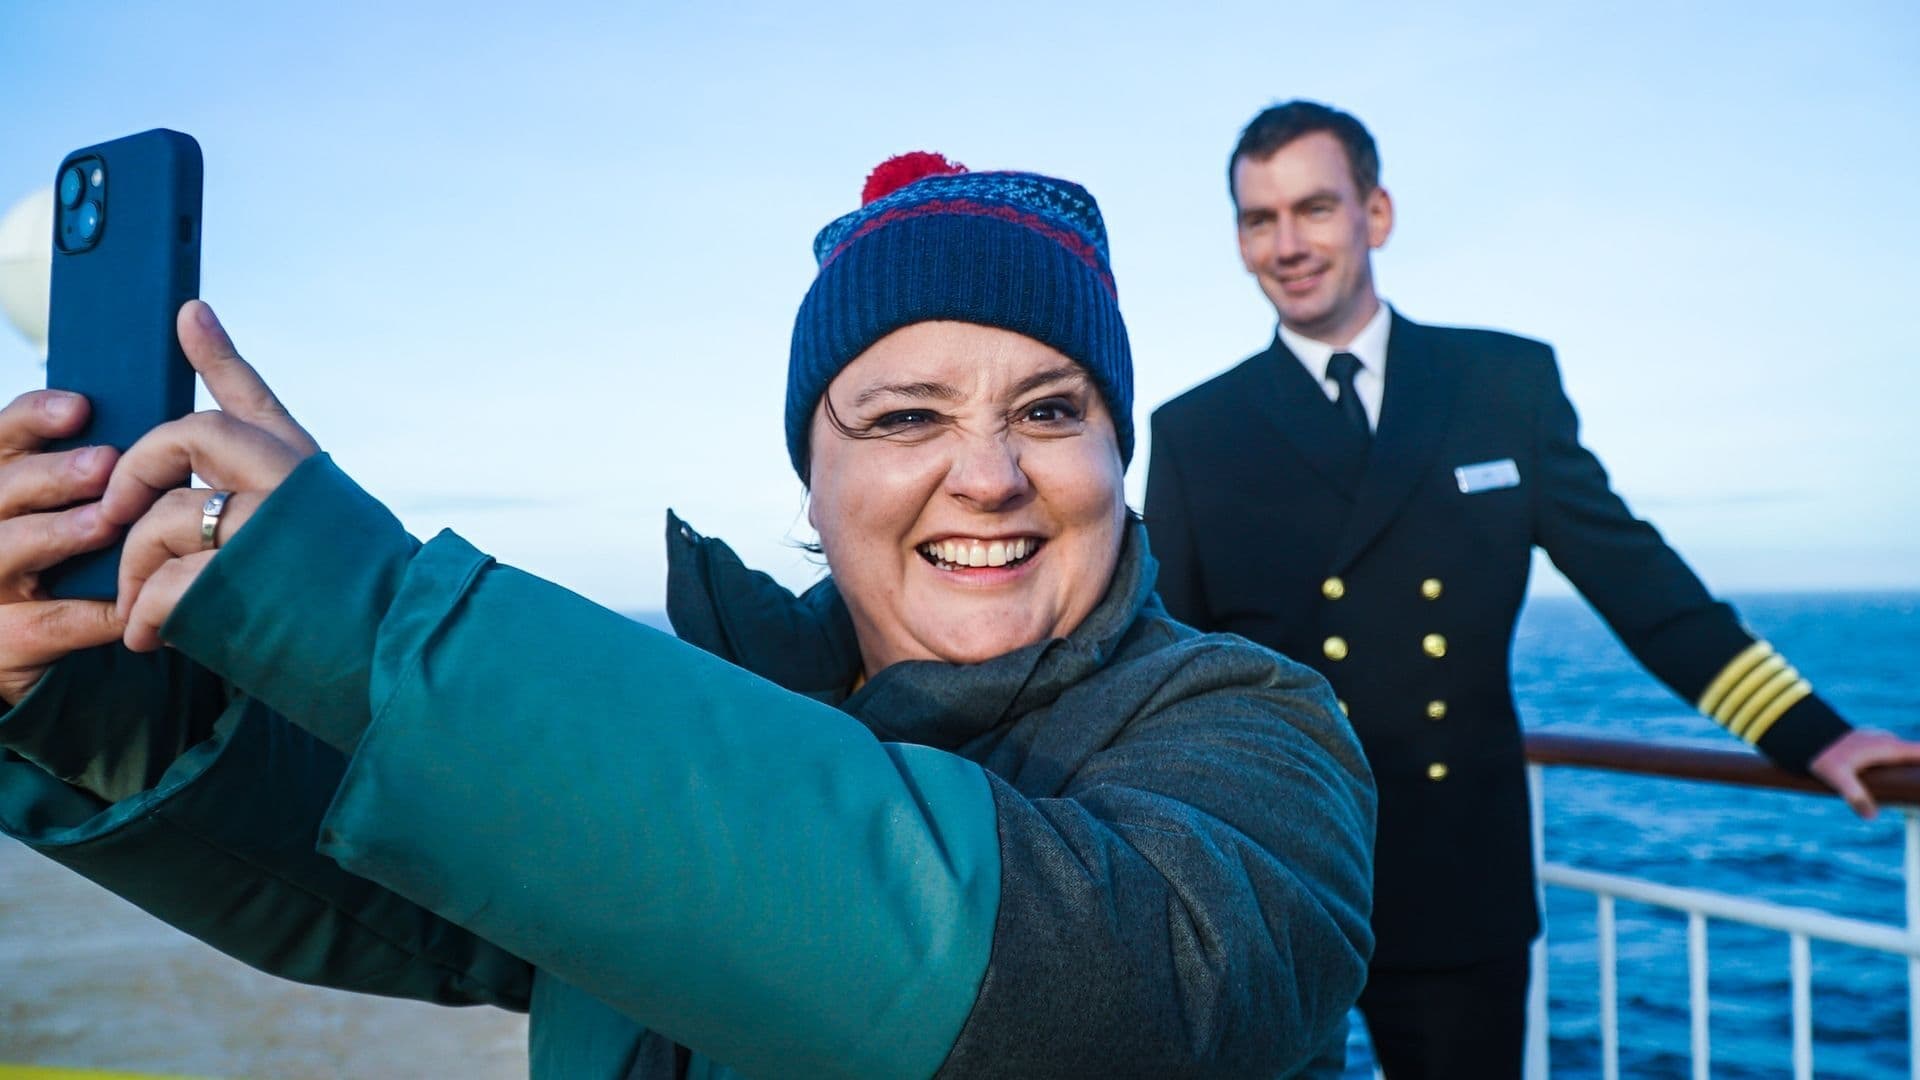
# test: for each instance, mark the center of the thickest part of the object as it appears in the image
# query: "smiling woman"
(971, 806)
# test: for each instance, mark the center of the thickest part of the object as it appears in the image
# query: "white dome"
(26, 265)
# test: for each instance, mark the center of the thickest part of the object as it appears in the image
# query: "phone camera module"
(72, 186)
(86, 222)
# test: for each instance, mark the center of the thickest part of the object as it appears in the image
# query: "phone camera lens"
(72, 186)
(87, 221)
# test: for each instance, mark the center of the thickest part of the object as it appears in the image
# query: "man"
(1365, 495)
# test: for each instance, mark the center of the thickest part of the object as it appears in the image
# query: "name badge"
(1487, 476)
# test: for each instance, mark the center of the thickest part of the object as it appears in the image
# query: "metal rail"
(1899, 787)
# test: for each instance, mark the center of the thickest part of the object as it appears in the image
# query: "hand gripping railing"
(1897, 788)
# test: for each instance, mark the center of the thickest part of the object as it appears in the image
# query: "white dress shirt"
(1369, 346)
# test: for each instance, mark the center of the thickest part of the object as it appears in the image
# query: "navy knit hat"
(1019, 251)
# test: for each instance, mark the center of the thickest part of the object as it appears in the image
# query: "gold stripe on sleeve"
(1732, 673)
(1737, 698)
(1758, 701)
(1776, 710)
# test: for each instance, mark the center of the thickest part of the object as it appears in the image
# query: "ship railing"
(1896, 789)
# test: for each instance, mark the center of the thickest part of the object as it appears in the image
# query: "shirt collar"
(1369, 346)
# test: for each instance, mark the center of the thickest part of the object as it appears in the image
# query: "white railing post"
(1609, 994)
(1697, 993)
(1802, 1007)
(1539, 1023)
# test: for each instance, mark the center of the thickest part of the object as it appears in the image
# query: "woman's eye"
(904, 418)
(1052, 411)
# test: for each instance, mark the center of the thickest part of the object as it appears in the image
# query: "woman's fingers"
(227, 453)
(232, 381)
(157, 599)
(33, 542)
(29, 420)
(172, 528)
(34, 482)
(41, 632)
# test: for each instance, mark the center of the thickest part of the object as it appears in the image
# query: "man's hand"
(1839, 766)
(246, 447)
(37, 533)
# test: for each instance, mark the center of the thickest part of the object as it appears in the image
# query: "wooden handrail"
(1896, 784)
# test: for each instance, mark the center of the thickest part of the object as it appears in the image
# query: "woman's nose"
(987, 473)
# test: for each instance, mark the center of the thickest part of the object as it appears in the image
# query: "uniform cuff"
(1801, 733)
(1761, 698)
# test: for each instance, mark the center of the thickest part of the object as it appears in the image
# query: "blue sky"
(532, 276)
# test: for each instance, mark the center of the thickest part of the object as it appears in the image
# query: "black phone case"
(110, 331)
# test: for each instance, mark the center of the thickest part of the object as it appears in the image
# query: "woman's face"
(969, 499)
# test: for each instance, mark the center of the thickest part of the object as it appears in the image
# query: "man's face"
(1306, 234)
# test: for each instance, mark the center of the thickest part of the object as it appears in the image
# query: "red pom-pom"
(902, 169)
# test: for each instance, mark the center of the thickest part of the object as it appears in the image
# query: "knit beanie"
(933, 241)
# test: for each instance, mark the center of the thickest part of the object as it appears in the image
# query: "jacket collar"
(806, 644)
(1306, 420)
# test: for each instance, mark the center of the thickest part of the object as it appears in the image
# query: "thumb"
(1848, 784)
(40, 632)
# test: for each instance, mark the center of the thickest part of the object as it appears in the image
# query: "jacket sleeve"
(1169, 528)
(111, 722)
(142, 774)
(1197, 901)
(739, 868)
(1658, 607)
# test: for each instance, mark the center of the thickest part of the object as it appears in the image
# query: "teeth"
(975, 553)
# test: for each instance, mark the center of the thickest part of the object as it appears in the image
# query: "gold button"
(1437, 771)
(1430, 588)
(1335, 648)
(1434, 645)
(1343, 707)
(1333, 588)
(1436, 710)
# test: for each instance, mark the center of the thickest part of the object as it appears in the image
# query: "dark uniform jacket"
(1398, 570)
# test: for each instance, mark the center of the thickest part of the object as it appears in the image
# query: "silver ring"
(210, 512)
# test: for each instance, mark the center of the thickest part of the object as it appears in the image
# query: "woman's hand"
(35, 533)
(247, 447)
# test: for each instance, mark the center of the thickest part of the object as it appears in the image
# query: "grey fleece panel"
(1161, 915)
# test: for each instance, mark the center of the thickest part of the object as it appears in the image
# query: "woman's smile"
(967, 553)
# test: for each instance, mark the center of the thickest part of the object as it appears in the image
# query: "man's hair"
(1278, 125)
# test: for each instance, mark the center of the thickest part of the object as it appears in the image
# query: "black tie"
(1341, 367)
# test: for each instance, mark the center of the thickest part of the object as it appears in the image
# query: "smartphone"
(126, 255)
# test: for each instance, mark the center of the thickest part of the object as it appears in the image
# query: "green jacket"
(1135, 850)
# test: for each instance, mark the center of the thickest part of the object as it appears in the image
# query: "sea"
(1861, 651)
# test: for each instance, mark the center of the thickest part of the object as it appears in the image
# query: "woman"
(973, 805)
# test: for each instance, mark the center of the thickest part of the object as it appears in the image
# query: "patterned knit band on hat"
(932, 241)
